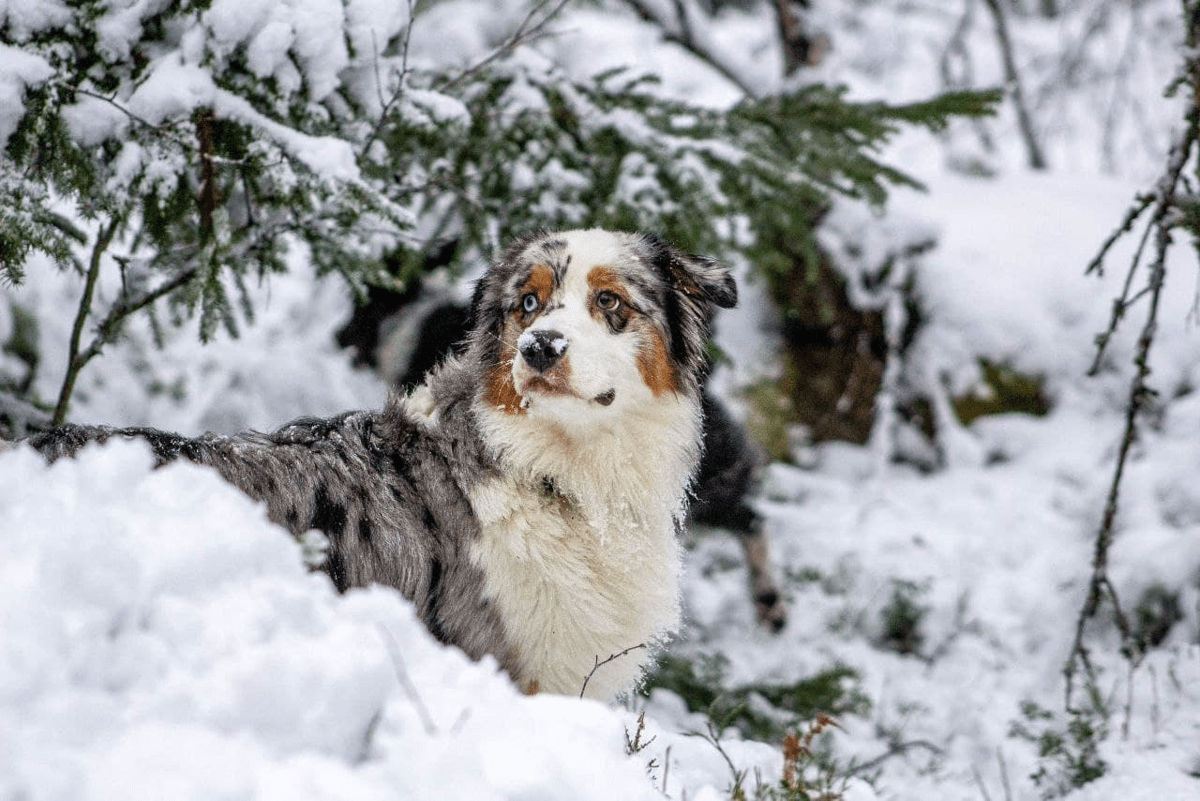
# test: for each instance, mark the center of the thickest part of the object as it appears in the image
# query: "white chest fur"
(588, 567)
(574, 586)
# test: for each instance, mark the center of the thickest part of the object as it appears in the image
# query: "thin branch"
(125, 308)
(680, 32)
(1100, 586)
(1140, 204)
(599, 664)
(895, 750)
(1003, 765)
(164, 130)
(385, 106)
(979, 783)
(406, 683)
(1037, 160)
(106, 331)
(529, 29)
(666, 769)
(1122, 302)
(104, 238)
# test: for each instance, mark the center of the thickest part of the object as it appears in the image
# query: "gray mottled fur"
(388, 492)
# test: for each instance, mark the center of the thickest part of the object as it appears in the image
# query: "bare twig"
(1140, 204)
(1123, 302)
(666, 769)
(386, 105)
(1160, 225)
(894, 751)
(406, 684)
(681, 32)
(634, 744)
(979, 783)
(128, 306)
(958, 53)
(75, 362)
(530, 28)
(1037, 160)
(1002, 763)
(599, 664)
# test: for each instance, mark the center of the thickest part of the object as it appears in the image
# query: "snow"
(20, 71)
(20, 18)
(177, 647)
(162, 639)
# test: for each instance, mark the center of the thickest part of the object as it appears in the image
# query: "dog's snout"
(542, 349)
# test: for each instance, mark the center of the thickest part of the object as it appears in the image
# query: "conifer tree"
(186, 146)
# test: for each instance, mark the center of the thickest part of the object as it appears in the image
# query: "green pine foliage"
(534, 149)
(177, 144)
(827, 146)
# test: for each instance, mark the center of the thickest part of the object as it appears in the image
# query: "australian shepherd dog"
(527, 497)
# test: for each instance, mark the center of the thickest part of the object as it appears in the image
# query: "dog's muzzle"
(542, 349)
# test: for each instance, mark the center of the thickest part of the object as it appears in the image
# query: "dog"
(528, 496)
(403, 335)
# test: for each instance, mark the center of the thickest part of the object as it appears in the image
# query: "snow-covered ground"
(160, 639)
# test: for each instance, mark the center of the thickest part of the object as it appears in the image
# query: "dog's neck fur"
(641, 460)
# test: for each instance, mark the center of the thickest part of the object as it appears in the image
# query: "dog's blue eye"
(530, 302)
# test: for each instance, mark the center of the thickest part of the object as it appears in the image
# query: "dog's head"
(594, 320)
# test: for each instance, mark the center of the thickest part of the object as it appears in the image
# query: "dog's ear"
(696, 286)
(699, 278)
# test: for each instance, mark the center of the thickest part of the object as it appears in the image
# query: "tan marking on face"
(499, 391)
(541, 283)
(654, 364)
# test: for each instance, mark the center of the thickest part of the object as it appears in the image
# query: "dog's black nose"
(542, 349)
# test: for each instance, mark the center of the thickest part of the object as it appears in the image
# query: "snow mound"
(162, 639)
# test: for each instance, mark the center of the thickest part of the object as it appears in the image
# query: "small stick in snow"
(599, 664)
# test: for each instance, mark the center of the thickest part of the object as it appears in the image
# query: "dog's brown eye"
(607, 301)
(530, 302)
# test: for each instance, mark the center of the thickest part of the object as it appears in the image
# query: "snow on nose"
(541, 349)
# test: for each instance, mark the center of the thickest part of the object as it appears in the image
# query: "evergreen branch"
(208, 157)
(936, 113)
(61, 223)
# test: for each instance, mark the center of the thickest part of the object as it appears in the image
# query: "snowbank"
(163, 640)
